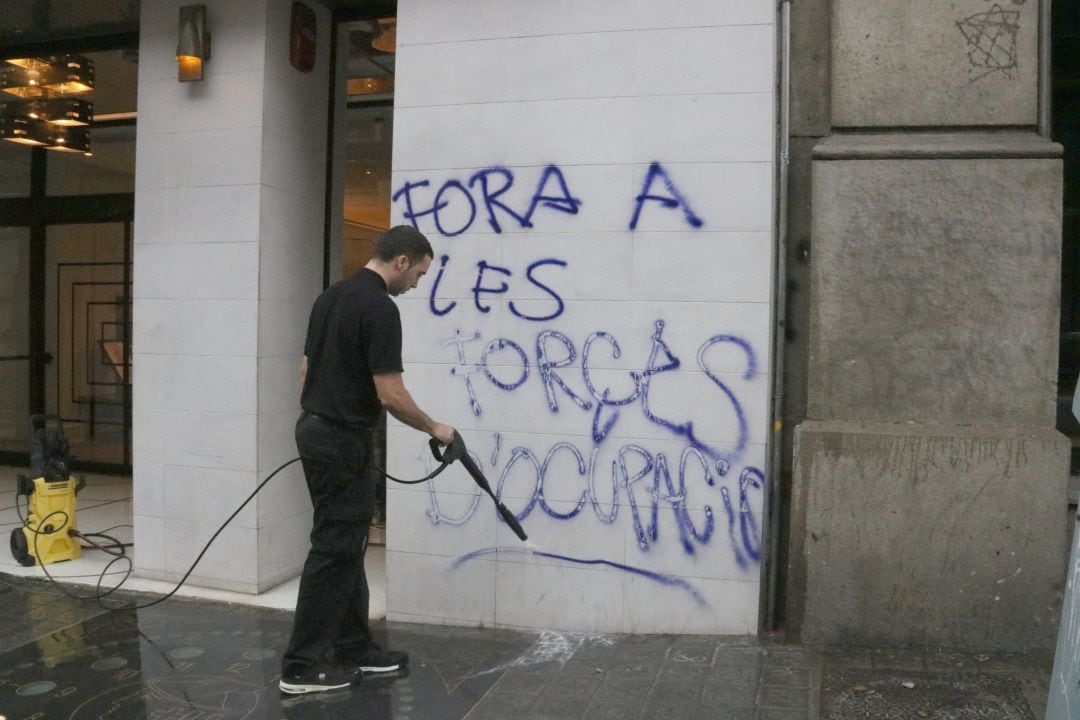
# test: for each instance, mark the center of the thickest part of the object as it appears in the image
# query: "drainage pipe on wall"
(770, 564)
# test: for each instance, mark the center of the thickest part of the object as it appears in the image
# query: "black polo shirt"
(354, 332)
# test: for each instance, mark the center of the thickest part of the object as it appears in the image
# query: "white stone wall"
(641, 135)
(230, 176)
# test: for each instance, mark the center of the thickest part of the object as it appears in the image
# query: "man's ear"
(401, 263)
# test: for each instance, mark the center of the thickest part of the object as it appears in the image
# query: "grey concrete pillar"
(929, 483)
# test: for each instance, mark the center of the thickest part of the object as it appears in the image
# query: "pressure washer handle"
(456, 451)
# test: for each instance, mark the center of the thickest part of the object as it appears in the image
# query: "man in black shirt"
(351, 368)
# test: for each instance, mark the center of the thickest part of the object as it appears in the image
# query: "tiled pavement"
(200, 660)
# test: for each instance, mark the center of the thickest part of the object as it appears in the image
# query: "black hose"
(454, 451)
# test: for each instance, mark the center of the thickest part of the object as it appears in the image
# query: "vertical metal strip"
(36, 297)
(126, 366)
(770, 569)
(329, 190)
(1044, 126)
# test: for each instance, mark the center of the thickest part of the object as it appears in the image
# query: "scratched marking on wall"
(562, 369)
(991, 41)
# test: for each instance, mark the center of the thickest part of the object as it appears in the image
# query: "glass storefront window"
(368, 139)
(14, 170)
(367, 133)
(14, 339)
(110, 169)
(65, 336)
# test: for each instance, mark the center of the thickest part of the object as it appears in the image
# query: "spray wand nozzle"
(456, 451)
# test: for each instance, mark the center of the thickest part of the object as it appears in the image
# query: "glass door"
(65, 338)
(65, 267)
(87, 333)
(15, 353)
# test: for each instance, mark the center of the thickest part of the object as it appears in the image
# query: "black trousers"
(332, 605)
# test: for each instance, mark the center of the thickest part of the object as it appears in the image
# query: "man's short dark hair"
(403, 240)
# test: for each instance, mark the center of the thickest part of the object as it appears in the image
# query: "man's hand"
(443, 433)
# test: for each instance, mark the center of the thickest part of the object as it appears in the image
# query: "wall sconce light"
(193, 43)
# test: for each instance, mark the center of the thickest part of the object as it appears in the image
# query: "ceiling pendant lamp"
(38, 103)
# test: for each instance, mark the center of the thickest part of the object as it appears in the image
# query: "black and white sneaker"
(377, 660)
(317, 680)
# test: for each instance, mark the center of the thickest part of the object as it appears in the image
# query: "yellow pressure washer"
(50, 531)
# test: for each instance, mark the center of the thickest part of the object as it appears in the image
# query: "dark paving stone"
(784, 697)
(729, 696)
(521, 684)
(600, 708)
(706, 711)
(785, 676)
(739, 656)
(897, 660)
(677, 702)
(1006, 662)
(625, 687)
(777, 714)
(848, 694)
(213, 661)
(583, 667)
(574, 686)
(555, 708)
(847, 657)
(501, 706)
(793, 657)
(697, 649)
(952, 662)
(735, 676)
(644, 670)
(684, 673)
(194, 660)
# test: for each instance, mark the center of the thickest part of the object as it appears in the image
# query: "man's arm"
(303, 373)
(393, 395)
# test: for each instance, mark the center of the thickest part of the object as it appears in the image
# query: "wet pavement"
(198, 660)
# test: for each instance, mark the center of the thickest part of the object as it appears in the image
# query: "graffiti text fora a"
(458, 203)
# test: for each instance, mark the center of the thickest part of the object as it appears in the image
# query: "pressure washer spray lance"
(456, 450)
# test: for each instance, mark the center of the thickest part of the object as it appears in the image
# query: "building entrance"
(66, 213)
(65, 338)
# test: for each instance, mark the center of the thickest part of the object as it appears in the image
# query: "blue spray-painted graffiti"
(555, 351)
(454, 199)
(563, 201)
(651, 487)
(668, 580)
(480, 288)
(637, 479)
(673, 199)
(552, 192)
